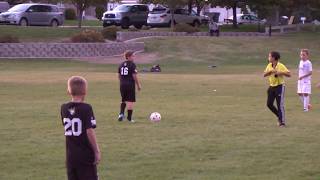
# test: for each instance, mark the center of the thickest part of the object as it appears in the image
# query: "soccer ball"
(155, 117)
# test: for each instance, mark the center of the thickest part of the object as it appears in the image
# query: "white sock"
(308, 101)
(305, 102)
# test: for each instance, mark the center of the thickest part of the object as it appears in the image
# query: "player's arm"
(135, 77)
(268, 73)
(309, 66)
(93, 142)
(284, 73)
(307, 75)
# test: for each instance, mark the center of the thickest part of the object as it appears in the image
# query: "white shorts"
(304, 87)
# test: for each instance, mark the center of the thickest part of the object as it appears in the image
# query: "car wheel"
(54, 23)
(23, 22)
(125, 23)
(196, 23)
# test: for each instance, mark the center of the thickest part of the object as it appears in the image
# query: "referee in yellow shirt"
(276, 72)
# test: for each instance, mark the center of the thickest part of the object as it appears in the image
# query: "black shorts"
(82, 173)
(128, 92)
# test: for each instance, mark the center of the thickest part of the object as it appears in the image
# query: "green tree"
(273, 9)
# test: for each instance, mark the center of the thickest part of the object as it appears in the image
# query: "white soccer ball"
(155, 117)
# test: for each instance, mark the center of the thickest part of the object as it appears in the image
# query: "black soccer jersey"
(76, 119)
(126, 70)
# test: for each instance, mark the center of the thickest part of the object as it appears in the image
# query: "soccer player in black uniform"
(128, 79)
(82, 150)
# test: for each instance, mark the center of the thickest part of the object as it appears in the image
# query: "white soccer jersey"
(304, 68)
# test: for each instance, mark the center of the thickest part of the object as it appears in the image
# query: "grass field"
(215, 123)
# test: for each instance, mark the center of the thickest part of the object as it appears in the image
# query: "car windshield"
(122, 8)
(158, 11)
(19, 8)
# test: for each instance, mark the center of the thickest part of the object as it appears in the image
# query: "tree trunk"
(234, 10)
(199, 8)
(172, 18)
(80, 17)
(190, 2)
(277, 16)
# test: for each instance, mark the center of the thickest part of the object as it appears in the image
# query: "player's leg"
(130, 111)
(72, 173)
(306, 96)
(123, 103)
(300, 91)
(88, 173)
(122, 109)
(130, 102)
(270, 101)
(306, 102)
(280, 104)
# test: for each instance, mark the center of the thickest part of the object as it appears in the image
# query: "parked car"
(245, 19)
(126, 15)
(162, 17)
(204, 19)
(4, 6)
(33, 14)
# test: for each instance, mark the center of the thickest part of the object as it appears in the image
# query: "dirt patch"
(139, 58)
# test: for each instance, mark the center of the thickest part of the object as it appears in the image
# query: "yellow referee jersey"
(273, 80)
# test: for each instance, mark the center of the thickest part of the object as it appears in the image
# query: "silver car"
(33, 14)
(126, 15)
(162, 17)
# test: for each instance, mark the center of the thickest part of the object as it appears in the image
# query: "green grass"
(225, 134)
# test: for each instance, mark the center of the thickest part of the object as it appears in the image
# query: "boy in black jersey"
(127, 73)
(82, 150)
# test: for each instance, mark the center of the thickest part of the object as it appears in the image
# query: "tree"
(273, 9)
(81, 5)
(200, 4)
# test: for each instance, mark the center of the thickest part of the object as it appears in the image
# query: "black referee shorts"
(82, 173)
(128, 92)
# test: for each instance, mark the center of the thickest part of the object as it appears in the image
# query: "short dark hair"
(275, 55)
(77, 86)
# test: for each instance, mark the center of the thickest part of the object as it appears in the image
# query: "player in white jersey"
(304, 79)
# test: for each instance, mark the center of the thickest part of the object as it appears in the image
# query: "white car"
(245, 19)
(162, 17)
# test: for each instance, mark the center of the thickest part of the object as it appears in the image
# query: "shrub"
(70, 14)
(185, 28)
(87, 36)
(99, 12)
(110, 32)
(145, 27)
(133, 29)
(9, 39)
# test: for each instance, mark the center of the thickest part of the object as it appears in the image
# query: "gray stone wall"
(124, 36)
(65, 50)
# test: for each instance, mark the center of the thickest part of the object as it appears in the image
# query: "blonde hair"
(77, 85)
(305, 51)
(128, 54)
